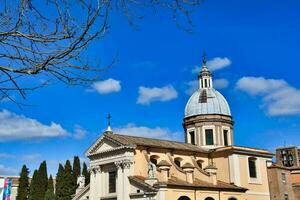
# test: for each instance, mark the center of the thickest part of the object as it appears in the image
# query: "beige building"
(207, 166)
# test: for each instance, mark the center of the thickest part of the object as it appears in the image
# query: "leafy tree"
(34, 186)
(42, 180)
(76, 170)
(50, 190)
(59, 192)
(23, 188)
(86, 174)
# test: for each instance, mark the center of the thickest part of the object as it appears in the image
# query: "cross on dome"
(205, 76)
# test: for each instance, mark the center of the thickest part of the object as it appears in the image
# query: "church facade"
(207, 166)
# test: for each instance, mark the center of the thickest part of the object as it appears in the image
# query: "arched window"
(209, 137)
(200, 163)
(252, 167)
(209, 198)
(184, 198)
(154, 159)
(177, 161)
(232, 198)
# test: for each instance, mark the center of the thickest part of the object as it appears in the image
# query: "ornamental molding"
(123, 164)
(95, 169)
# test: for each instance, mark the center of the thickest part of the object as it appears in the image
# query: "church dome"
(207, 101)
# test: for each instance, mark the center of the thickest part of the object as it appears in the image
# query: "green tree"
(23, 188)
(68, 186)
(86, 174)
(50, 190)
(42, 180)
(34, 187)
(76, 170)
(59, 193)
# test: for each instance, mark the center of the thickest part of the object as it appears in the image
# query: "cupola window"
(192, 137)
(153, 159)
(200, 163)
(177, 162)
(209, 137)
(225, 135)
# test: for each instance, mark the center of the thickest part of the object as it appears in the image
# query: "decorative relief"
(124, 164)
(95, 169)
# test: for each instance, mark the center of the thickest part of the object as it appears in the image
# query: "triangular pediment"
(106, 145)
(103, 144)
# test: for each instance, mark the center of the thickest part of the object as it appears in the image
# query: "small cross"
(108, 119)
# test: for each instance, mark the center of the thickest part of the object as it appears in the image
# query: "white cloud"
(79, 132)
(19, 127)
(143, 131)
(221, 83)
(191, 87)
(107, 86)
(6, 171)
(148, 95)
(35, 157)
(278, 96)
(214, 64)
(6, 155)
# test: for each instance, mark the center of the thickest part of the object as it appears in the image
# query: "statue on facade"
(151, 170)
(81, 181)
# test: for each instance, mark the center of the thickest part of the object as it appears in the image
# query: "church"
(207, 166)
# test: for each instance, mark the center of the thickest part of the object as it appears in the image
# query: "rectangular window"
(112, 181)
(252, 167)
(192, 136)
(225, 133)
(209, 137)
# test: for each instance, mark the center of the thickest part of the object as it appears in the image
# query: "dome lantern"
(205, 77)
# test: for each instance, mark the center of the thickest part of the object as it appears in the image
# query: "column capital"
(123, 164)
(95, 169)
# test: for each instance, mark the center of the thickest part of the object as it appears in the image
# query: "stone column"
(126, 173)
(95, 183)
(123, 185)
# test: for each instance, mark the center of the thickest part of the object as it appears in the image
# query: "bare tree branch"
(46, 39)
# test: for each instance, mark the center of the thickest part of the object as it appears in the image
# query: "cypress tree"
(86, 174)
(23, 188)
(59, 193)
(42, 180)
(34, 187)
(68, 186)
(49, 195)
(76, 170)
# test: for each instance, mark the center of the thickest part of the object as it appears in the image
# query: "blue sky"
(254, 44)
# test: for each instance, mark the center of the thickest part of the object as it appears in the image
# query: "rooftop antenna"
(108, 123)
